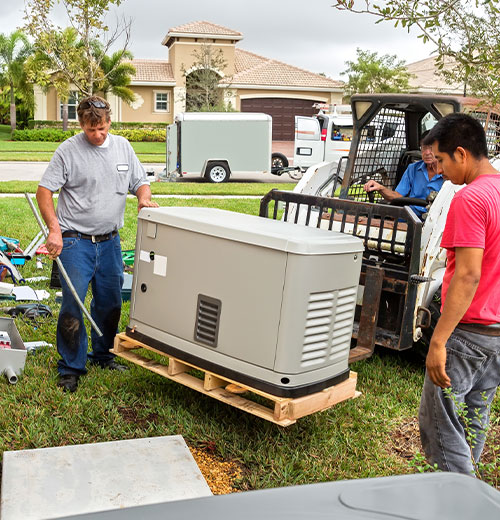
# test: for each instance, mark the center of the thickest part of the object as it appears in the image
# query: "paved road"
(32, 171)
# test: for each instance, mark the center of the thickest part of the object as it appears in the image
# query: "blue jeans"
(473, 366)
(101, 266)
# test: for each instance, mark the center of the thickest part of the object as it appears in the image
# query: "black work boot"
(112, 365)
(68, 382)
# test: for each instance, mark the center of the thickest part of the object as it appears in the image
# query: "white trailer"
(215, 145)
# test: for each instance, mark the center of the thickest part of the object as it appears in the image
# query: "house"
(251, 83)
(427, 80)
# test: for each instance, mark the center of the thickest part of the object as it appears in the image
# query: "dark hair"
(93, 110)
(456, 130)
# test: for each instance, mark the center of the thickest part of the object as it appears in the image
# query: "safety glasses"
(95, 103)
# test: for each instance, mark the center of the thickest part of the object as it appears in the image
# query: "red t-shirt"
(474, 221)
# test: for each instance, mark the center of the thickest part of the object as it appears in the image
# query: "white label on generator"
(144, 256)
(160, 265)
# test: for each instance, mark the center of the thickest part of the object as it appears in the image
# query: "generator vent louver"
(206, 329)
(329, 320)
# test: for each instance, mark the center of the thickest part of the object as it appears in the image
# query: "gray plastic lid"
(250, 229)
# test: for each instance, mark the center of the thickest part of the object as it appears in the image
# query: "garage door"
(283, 112)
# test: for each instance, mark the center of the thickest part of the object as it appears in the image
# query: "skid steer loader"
(403, 263)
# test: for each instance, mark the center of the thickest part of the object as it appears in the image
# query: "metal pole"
(63, 271)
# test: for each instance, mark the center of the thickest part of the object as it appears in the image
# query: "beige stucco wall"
(53, 113)
(180, 55)
(143, 109)
(326, 97)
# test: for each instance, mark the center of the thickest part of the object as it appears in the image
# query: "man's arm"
(385, 192)
(461, 291)
(54, 242)
(143, 195)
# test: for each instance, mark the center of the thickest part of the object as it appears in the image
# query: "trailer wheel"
(278, 161)
(217, 172)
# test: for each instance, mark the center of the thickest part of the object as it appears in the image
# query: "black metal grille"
(390, 234)
(206, 329)
(491, 125)
(381, 145)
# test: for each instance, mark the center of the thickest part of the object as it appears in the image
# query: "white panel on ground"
(53, 482)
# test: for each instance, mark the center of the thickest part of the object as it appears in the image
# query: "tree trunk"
(12, 109)
(65, 116)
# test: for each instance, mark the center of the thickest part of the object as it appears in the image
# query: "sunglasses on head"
(94, 103)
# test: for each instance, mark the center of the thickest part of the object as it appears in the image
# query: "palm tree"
(14, 50)
(49, 69)
(116, 75)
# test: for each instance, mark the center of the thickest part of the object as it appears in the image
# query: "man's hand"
(435, 364)
(144, 198)
(54, 244)
(372, 185)
(146, 203)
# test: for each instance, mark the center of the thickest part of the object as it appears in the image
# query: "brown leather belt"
(95, 238)
(479, 328)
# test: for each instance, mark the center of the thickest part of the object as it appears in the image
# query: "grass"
(42, 151)
(351, 440)
(175, 188)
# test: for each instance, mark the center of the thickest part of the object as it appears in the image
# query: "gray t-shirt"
(94, 182)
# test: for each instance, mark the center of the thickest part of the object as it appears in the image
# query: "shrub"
(119, 125)
(52, 135)
(147, 136)
(56, 135)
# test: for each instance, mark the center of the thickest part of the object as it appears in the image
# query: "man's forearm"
(389, 194)
(46, 206)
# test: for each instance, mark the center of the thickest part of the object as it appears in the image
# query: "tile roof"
(427, 78)
(153, 71)
(203, 27)
(252, 69)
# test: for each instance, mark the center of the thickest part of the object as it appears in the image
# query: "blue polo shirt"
(415, 183)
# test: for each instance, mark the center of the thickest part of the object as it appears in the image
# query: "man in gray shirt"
(94, 171)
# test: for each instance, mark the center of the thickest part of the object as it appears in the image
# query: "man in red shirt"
(464, 352)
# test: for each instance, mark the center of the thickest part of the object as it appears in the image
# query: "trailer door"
(308, 146)
(171, 148)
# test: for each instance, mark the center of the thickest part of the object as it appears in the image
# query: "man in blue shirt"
(418, 181)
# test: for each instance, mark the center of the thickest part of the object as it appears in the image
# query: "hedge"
(118, 125)
(43, 134)
(56, 135)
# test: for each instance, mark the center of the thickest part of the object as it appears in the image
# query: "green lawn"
(41, 151)
(175, 188)
(355, 439)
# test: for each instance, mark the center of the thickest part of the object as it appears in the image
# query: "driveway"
(33, 171)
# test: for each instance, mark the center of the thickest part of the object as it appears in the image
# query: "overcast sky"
(306, 33)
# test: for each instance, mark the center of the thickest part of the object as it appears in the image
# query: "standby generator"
(266, 303)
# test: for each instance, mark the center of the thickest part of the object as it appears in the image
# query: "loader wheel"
(217, 172)
(278, 161)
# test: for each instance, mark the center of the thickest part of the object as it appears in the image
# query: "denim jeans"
(473, 366)
(99, 264)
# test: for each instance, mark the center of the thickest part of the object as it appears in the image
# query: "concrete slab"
(54, 482)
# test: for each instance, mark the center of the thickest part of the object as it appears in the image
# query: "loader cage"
(390, 266)
(387, 132)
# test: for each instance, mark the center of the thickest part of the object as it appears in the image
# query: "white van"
(323, 137)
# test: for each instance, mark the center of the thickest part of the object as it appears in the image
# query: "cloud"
(310, 35)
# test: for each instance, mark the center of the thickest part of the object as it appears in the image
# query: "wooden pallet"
(282, 410)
